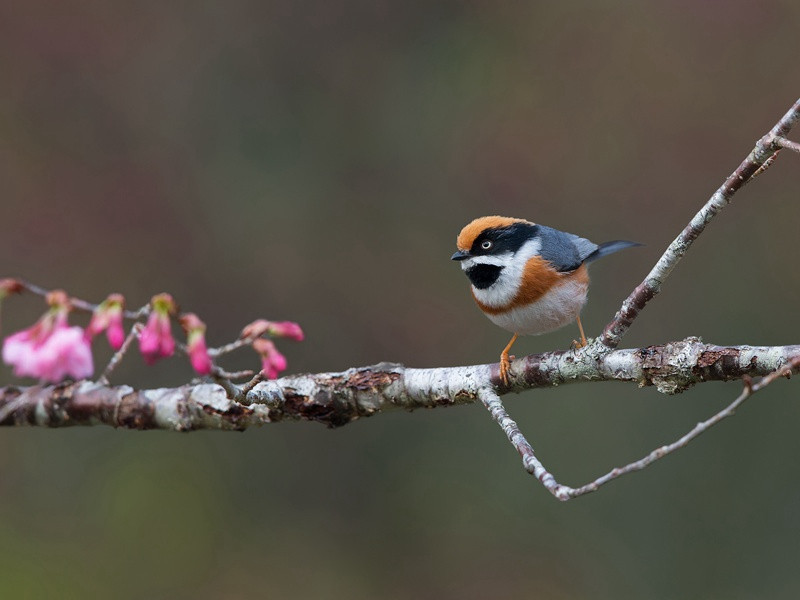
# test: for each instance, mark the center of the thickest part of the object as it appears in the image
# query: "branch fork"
(758, 161)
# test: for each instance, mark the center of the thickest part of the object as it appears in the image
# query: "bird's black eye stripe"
(503, 239)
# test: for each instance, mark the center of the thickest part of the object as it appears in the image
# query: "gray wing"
(565, 251)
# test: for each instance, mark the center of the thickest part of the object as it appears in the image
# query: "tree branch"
(764, 150)
(336, 399)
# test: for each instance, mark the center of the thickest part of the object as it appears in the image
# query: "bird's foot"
(505, 368)
(575, 345)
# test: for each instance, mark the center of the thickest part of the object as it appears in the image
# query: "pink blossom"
(50, 349)
(272, 361)
(156, 339)
(64, 352)
(196, 342)
(108, 317)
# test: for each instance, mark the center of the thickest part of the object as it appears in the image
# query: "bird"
(528, 278)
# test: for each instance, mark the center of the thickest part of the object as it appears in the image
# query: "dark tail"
(610, 248)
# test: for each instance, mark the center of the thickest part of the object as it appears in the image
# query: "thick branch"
(336, 399)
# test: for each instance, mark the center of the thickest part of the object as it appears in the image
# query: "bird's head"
(488, 245)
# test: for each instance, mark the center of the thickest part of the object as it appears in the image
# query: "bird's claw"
(505, 368)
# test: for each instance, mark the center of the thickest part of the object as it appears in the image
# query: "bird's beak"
(460, 255)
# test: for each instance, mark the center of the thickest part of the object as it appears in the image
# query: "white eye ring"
(486, 244)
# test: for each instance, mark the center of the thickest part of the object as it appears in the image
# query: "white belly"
(559, 307)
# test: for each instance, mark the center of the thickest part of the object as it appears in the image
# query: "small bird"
(528, 278)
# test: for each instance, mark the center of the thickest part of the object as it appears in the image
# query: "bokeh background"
(314, 161)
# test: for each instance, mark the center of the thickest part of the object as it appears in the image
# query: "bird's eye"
(486, 244)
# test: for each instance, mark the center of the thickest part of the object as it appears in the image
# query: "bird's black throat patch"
(483, 276)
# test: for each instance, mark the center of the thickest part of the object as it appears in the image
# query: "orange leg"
(583, 336)
(505, 361)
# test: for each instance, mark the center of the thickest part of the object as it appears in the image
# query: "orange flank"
(538, 278)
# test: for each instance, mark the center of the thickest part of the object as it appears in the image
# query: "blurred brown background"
(314, 161)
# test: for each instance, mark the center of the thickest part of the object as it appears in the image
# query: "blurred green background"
(314, 161)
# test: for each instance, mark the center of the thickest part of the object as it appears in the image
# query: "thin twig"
(257, 378)
(532, 464)
(83, 304)
(748, 390)
(232, 391)
(119, 354)
(228, 348)
(765, 148)
(237, 374)
(767, 164)
(788, 144)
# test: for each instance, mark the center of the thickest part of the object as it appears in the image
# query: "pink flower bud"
(287, 329)
(9, 286)
(196, 342)
(108, 317)
(272, 361)
(156, 341)
(255, 329)
(50, 349)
